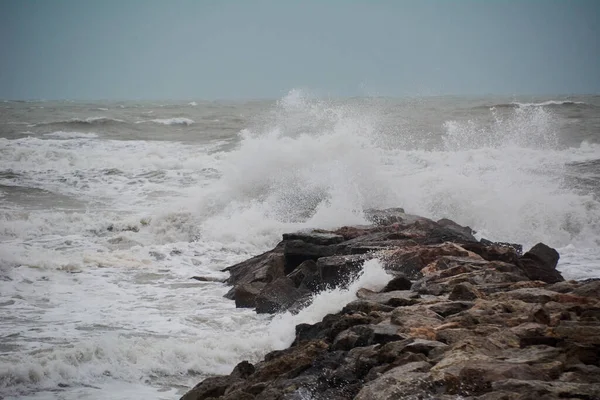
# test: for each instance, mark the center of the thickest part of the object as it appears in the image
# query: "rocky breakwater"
(460, 318)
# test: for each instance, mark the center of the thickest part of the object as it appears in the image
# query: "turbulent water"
(107, 210)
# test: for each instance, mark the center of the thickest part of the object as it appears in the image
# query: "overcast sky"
(195, 49)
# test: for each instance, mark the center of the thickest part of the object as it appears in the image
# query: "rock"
(306, 276)
(465, 291)
(279, 363)
(528, 295)
(448, 308)
(399, 282)
(337, 271)
(329, 327)
(319, 237)
(243, 370)
(366, 307)
(262, 268)
(418, 321)
(410, 261)
(481, 321)
(539, 263)
(298, 251)
(366, 335)
(537, 389)
(278, 295)
(464, 231)
(494, 252)
(397, 298)
(388, 216)
(399, 383)
(211, 387)
(245, 294)
(590, 289)
(581, 373)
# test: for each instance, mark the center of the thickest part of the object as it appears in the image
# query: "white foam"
(72, 135)
(282, 328)
(170, 121)
(549, 103)
(319, 165)
(192, 103)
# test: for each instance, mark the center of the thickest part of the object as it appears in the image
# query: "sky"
(200, 49)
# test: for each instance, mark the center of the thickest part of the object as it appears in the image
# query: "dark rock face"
(481, 321)
(278, 295)
(539, 263)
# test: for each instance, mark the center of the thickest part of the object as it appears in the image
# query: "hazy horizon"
(201, 50)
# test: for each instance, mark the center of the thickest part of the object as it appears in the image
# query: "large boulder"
(540, 262)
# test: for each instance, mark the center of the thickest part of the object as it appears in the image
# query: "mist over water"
(107, 210)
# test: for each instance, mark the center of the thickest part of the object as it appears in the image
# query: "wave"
(192, 103)
(215, 346)
(90, 121)
(316, 164)
(72, 135)
(170, 121)
(548, 103)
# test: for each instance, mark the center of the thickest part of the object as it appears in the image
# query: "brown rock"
(282, 362)
(465, 292)
(538, 388)
(397, 383)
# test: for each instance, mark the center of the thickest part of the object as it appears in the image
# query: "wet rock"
(329, 327)
(292, 360)
(245, 294)
(539, 263)
(212, 387)
(410, 261)
(306, 276)
(399, 282)
(262, 268)
(366, 307)
(319, 237)
(298, 251)
(278, 295)
(388, 216)
(340, 270)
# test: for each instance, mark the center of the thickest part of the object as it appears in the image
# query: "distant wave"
(192, 103)
(170, 121)
(90, 121)
(72, 135)
(548, 103)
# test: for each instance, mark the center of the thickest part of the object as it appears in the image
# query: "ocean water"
(107, 210)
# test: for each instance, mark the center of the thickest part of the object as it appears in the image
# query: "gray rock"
(322, 238)
(278, 296)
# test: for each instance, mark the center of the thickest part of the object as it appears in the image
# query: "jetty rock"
(460, 318)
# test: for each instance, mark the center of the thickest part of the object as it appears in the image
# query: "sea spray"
(282, 327)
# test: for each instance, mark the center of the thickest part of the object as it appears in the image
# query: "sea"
(108, 209)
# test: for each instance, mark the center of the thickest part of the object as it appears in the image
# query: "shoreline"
(458, 317)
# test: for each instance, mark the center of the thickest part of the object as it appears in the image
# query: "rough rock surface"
(480, 320)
